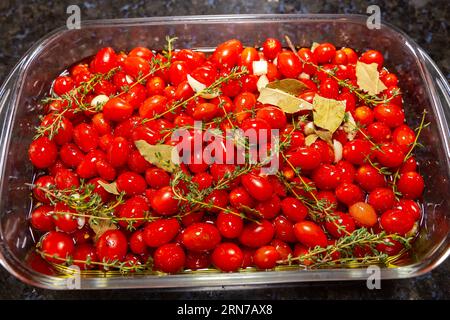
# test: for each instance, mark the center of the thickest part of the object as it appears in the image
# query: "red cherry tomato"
(57, 247)
(169, 258)
(266, 257)
(112, 245)
(289, 65)
(161, 231)
(42, 152)
(396, 221)
(201, 237)
(310, 234)
(256, 235)
(410, 185)
(227, 257)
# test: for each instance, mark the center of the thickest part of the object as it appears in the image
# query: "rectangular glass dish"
(422, 84)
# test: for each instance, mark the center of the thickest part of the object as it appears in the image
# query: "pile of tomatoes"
(98, 145)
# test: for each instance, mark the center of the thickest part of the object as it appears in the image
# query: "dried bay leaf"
(328, 113)
(285, 101)
(109, 187)
(291, 86)
(161, 155)
(100, 226)
(368, 78)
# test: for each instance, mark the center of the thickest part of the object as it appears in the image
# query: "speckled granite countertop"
(423, 20)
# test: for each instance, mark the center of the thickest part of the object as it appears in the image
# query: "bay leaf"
(368, 78)
(100, 226)
(328, 113)
(109, 187)
(161, 155)
(285, 101)
(310, 139)
(325, 135)
(291, 86)
(314, 46)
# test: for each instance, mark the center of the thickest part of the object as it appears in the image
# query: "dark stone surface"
(22, 23)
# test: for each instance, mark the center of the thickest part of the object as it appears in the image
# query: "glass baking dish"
(422, 84)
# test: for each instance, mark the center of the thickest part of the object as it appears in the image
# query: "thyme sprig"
(343, 248)
(122, 266)
(195, 197)
(367, 98)
(235, 73)
(415, 143)
(82, 199)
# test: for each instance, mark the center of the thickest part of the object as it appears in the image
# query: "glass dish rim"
(270, 277)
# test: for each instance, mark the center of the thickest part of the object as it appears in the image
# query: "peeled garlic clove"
(197, 86)
(350, 127)
(309, 128)
(100, 99)
(337, 148)
(259, 67)
(304, 76)
(263, 81)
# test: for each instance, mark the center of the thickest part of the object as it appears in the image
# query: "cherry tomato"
(117, 109)
(133, 208)
(118, 152)
(57, 246)
(410, 207)
(324, 53)
(85, 252)
(357, 151)
(153, 106)
(201, 237)
(135, 66)
(42, 152)
(197, 260)
(64, 218)
(284, 229)
(326, 177)
(381, 199)
(349, 193)
(229, 225)
(310, 234)
(161, 231)
(396, 221)
(256, 235)
(227, 257)
(226, 54)
(364, 214)
(271, 48)
(169, 258)
(164, 202)
(112, 245)
(372, 56)
(410, 185)
(369, 178)
(266, 257)
(342, 225)
(131, 183)
(390, 114)
(294, 209)
(41, 218)
(104, 60)
(390, 155)
(289, 65)
(306, 158)
(138, 244)
(258, 187)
